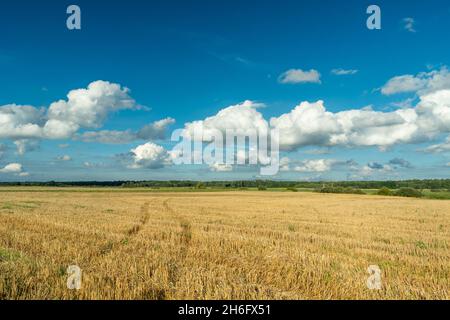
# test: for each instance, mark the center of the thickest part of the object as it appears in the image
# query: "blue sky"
(187, 60)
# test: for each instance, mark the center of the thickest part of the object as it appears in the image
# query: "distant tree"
(200, 185)
(384, 192)
(408, 192)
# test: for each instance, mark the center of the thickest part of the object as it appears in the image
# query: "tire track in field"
(130, 233)
(133, 231)
(177, 261)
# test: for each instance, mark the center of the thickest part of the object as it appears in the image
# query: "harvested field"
(221, 245)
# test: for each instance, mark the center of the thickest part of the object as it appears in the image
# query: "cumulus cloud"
(241, 117)
(84, 108)
(150, 156)
(89, 108)
(422, 83)
(311, 124)
(153, 131)
(404, 83)
(408, 24)
(318, 165)
(14, 168)
(21, 122)
(344, 72)
(294, 76)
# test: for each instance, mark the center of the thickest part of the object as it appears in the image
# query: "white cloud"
(154, 131)
(149, 155)
(221, 167)
(404, 104)
(344, 72)
(307, 124)
(300, 76)
(422, 83)
(20, 122)
(241, 117)
(311, 124)
(401, 84)
(14, 168)
(84, 108)
(318, 165)
(408, 24)
(89, 108)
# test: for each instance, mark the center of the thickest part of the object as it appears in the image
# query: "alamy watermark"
(228, 147)
(374, 280)
(74, 278)
(374, 20)
(73, 22)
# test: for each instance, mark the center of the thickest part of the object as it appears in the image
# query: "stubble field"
(221, 245)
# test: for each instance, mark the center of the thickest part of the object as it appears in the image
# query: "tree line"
(242, 184)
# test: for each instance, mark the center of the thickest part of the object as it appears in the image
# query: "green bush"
(292, 189)
(408, 192)
(384, 192)
(354, 191)
(200, 185)
(332, 189)
(262, 188)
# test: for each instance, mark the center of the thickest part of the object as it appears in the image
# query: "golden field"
(221, 245)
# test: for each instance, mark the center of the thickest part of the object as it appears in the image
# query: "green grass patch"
(441, 195)
(19, 205)
(7, 255)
